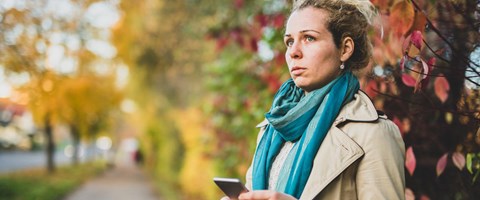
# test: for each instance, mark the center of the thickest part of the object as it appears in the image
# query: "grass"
(38, 184)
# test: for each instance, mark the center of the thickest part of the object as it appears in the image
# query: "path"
(125, 182)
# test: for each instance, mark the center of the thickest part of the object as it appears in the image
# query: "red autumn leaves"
(458, 161)
(416, 71)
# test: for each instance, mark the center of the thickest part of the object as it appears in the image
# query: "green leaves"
(473, 165)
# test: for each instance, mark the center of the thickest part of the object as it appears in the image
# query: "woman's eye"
(309, 38)
(289, 42)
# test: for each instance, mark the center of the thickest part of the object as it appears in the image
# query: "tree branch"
(439, 33)
(474, 114)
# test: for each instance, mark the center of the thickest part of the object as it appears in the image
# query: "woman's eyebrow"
(303, 31)
(310, 30)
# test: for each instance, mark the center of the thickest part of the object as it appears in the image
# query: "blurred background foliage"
(191, 79)
(36, 184)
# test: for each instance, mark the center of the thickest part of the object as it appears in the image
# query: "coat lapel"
(337, 152)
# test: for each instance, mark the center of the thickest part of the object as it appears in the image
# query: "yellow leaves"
(198, 142)
(26, 36)
(42, 93)
(11, 16)
(448, 117)
(47, 85)
(80, 100)
(90, 94)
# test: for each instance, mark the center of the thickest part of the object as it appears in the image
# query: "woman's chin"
(302, 85)
(298, 80)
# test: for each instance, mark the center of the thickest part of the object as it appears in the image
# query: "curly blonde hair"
(348, 18)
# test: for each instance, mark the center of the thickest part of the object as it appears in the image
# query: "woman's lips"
(297, 70)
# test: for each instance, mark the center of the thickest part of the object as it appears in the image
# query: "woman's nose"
(295, 51)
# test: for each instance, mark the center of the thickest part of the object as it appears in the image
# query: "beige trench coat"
(362, 157)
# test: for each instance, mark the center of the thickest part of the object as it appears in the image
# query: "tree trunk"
(76, 144)
(50, 146)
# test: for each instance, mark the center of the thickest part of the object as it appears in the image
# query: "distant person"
(138, 157)
(323, 138)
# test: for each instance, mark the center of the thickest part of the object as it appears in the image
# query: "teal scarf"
(304, 120)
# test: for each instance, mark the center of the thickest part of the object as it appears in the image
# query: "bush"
(38, 184)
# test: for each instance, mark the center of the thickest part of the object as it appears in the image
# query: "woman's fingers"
(265, 194)
(258, 194)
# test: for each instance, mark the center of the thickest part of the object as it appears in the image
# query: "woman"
(323, 138)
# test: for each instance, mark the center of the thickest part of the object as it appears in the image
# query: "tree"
(88, 107)
(52, 42)
(163, 44)
(159, 41)
(427, 94)
(248, 71)
(42, 92)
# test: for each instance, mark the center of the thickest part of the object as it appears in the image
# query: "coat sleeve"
(380, 173)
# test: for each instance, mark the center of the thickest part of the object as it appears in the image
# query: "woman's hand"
(265, 194)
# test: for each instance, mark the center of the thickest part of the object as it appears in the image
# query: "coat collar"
(361, 109)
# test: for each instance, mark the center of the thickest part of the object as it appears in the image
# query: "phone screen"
(232, 187)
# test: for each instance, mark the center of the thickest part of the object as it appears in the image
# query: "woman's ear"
(346, 49)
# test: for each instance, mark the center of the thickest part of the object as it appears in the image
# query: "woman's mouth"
(297, 70)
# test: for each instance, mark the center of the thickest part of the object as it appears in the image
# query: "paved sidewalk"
(119, 183)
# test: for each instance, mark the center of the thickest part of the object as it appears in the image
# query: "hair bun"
(364, 6)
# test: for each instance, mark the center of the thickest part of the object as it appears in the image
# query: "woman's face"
(312, 57)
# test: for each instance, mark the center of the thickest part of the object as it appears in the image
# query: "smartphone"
(232, 187)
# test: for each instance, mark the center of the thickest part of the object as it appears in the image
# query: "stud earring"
(342, 66)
